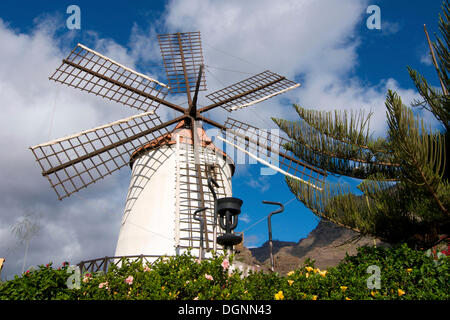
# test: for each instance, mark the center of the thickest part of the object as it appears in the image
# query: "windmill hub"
(183, 132)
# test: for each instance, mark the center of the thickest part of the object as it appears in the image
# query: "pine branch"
(353, 130)
(376, 217)
(313, 201)
(420, 153)
(441, 47)
(338, 144)
(437, 101)
(434, 101)
(352, 167)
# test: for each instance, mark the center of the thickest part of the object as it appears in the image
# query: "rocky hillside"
(327, 244)
(262, 253)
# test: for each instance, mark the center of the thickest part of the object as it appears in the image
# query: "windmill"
(171, 161)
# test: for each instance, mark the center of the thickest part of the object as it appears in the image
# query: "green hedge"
(405, 274)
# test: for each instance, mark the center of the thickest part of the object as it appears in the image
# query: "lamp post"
(212, 182)
(202, 223)
(228, 210)
(270, 230)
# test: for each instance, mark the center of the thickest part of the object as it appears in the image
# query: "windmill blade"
(268, 164)
(90, 71)
(182, 56)
(74, 162)
(250, 91)
(267, 144)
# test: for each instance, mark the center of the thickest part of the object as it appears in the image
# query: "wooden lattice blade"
(267, 144)
(182, 56)
(74, 162)
(90, 71)
(250, 91)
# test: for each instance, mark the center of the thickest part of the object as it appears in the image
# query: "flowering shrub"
(405, 274)
(40, 284)
(446, 252)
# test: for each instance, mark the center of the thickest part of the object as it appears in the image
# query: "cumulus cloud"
(35, 110)
(308, 41)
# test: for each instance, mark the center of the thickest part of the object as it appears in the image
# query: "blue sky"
(324, 45)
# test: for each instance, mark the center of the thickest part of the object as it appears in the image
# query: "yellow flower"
(409, 270)
(307, 275)
(373, 293)
(309, 269)
(316, 270)
(279, 295)
(314, 297)
(323, 273)
(290, 273)
(347, 298)
(290, 282)
(400, 292)
(245, 291)
(343, 288)
(163, 288)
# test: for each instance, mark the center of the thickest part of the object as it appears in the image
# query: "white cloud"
(260, 183)
(284, 36)
(425, 58)
(314, 40)
(244, 217)
(250, 241)
(35, 110)
(389, 28)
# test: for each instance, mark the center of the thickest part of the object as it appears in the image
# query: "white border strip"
(269, 165)
(264, 98)
(122, 66)
(92, 130)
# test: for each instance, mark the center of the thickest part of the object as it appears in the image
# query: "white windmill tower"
(170, 161)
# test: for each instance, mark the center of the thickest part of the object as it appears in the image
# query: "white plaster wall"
(148, 225)
(148, 222)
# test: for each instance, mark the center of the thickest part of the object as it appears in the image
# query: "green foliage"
(41, 284)
(338, 142)
(405, 274)
(419, 151)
